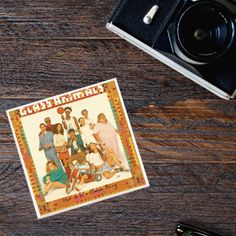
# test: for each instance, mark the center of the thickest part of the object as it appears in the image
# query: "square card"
(77, 148)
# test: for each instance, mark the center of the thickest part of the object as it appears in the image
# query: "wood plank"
(185, 134)
(72, 64)
(201, 193)
(193, 133)
(55, 20)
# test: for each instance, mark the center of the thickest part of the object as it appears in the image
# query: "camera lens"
(204, 32)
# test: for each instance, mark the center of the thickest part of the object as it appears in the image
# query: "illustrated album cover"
(77, 148)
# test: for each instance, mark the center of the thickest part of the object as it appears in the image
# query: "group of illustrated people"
(77, 148)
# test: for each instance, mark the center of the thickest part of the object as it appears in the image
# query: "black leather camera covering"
(128, 16)
(130, 13)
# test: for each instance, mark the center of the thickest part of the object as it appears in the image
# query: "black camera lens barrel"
(203, 32)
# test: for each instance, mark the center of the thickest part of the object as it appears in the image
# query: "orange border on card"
(138, 179)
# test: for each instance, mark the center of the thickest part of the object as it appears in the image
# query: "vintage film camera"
(196, 38)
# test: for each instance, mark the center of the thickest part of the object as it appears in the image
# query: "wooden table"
(186, 135)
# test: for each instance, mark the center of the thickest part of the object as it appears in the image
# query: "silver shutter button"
(150, 15)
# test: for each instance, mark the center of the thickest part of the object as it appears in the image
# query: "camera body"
(195, 37)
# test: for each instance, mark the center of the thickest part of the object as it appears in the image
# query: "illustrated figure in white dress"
(88, 121)
(86, 132)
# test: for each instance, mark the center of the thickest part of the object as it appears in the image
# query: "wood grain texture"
(186, 135)
(70, 19)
